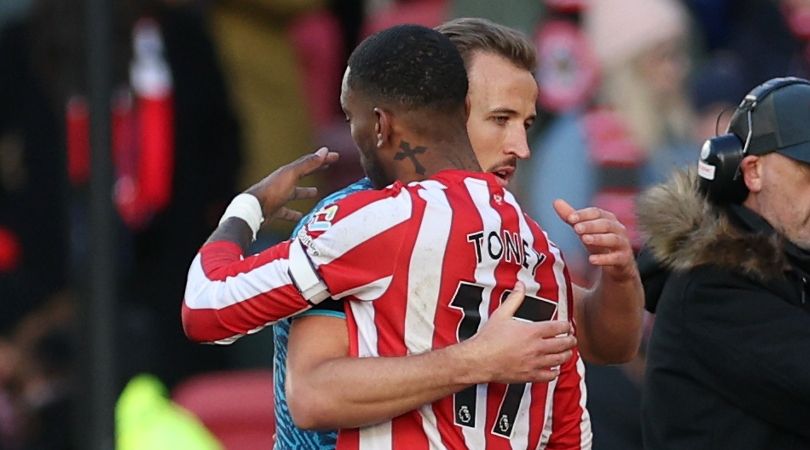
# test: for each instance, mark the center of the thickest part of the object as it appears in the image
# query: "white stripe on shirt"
(484, 276)
(424, 284)
(359, 227)
(424, 270)
(202, 292)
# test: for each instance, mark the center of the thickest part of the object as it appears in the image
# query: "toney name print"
(506, 246)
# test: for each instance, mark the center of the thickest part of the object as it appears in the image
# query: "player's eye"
(501, 120)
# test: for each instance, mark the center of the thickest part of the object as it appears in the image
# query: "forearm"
(352, 392)
(228, 295)
(233, 230)
(608, 316)
(355, 392)
(327, 389)
(609, 320)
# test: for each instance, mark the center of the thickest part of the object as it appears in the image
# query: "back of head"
(409, 67)
(773, 117)
(473, 34)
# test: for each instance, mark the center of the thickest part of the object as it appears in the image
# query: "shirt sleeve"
(352, 248)
(348, 249)
(228, 296)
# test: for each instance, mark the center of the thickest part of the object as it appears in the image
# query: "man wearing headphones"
(726, 269)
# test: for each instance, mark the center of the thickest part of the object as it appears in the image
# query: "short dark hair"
(412, 66)
(470, 34)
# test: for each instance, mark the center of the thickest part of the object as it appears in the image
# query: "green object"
(145, 419)
(523, 15)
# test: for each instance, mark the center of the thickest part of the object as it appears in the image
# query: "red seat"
(237, 407)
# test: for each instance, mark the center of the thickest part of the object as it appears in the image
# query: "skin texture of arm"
(326, 389)
(609, 315)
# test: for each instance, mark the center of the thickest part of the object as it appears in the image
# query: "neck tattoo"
(410, 153)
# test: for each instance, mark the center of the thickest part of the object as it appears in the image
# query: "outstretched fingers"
(304, 192)
(312, 162)
(288, 214)
(603, 235)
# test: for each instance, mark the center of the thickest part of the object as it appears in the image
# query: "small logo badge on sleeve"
(322, 220)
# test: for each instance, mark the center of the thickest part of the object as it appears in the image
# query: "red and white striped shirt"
(423, 266)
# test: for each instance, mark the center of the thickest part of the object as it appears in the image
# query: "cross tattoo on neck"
(410, 153)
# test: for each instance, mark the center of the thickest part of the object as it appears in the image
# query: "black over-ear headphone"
(719, 176)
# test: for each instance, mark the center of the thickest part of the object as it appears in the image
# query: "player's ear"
(383, 127)
(751, 171)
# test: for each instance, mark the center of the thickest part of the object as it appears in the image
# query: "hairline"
(472, 35)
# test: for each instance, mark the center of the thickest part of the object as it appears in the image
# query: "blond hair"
(471, 34)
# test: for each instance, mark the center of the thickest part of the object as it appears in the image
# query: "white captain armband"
(247, 208)
(304, 275)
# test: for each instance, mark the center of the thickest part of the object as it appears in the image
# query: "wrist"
(468, 367)
(628, 274)
(246, 207)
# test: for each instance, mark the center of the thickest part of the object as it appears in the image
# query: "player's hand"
(513, 351)
(604, 237)
(281, 186)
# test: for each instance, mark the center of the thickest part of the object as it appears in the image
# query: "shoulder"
(356, 220)
(362, 208)
(713, 292)
(361, 185)
(364, 184)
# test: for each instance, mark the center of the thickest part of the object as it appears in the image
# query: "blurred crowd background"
(211, 95)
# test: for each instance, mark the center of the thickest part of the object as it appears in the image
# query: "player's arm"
(327, 389)
(227, 294)
(609, 315)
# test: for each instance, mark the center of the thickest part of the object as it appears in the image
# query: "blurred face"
(363, 123)
(502, 101)
(665, 67)
(782, 197)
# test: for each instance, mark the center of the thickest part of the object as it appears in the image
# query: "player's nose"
(517, 145)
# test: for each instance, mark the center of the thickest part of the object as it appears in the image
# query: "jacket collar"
(753, 222)
(683, 230)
